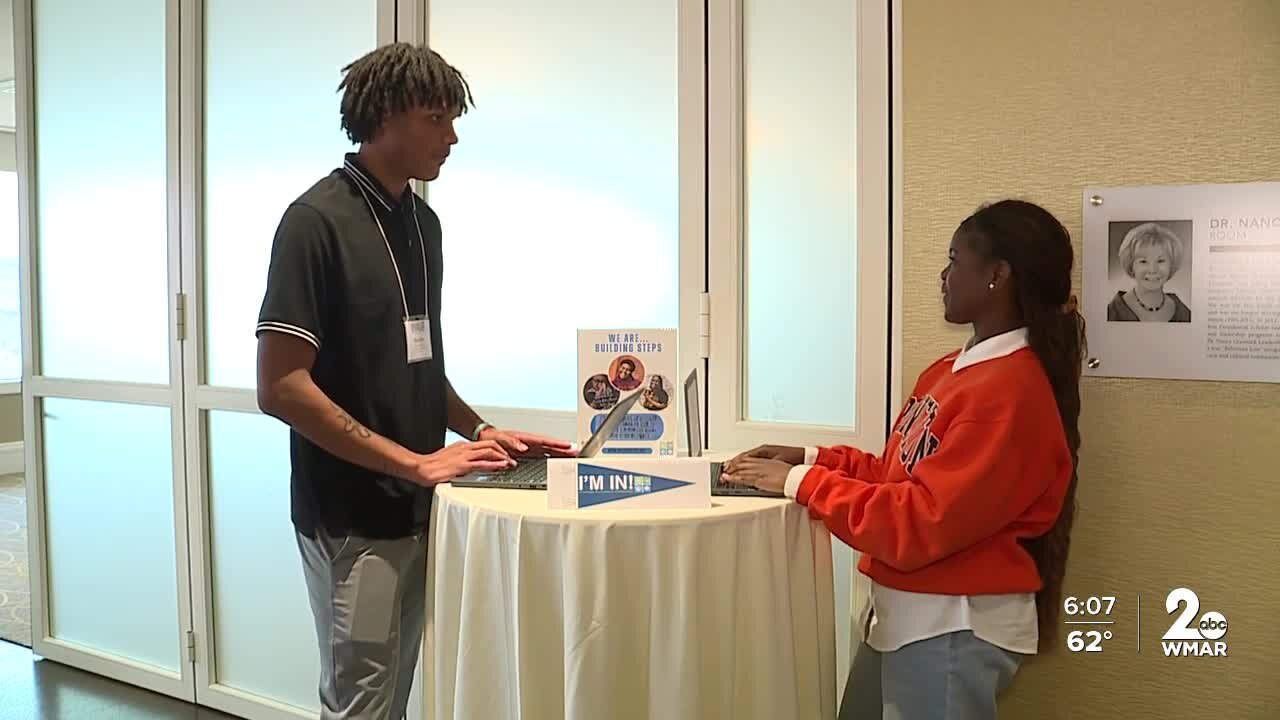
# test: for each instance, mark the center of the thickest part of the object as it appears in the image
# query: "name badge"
(417, 338)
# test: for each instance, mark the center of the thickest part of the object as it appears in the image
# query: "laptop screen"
(610, 424)
(692, 417)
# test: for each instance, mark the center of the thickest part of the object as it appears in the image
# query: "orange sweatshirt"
(977, 459)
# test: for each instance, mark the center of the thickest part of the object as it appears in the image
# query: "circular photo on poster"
(657, 393)
(598, 393)
(626, 372)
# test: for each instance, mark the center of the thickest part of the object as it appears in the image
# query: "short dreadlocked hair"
(395, 78)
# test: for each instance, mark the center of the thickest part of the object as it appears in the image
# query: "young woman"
(964, 521)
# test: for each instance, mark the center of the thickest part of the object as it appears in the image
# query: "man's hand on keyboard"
(460, 459)
(523, 444)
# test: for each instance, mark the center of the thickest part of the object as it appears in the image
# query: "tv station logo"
(1093, 622)
(1189, 637)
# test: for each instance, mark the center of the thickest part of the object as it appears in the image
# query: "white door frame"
(726, 387)
(36, 387)
(203, 398)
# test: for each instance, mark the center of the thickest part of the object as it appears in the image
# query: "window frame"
(729, 430)
(691, 173)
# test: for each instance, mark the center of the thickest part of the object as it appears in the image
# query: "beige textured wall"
(1037, 99)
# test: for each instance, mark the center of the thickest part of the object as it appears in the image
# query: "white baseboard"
(12, 459)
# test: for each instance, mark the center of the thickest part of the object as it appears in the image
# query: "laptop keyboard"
(533, 470)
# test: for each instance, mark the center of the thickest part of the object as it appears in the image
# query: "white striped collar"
(999, 346)
(370, 185)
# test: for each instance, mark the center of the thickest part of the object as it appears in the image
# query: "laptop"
(531, 473)
(693, 434)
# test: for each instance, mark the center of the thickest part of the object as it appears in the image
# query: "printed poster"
(613, 364)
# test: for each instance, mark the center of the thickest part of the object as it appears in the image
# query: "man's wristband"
(475, 434)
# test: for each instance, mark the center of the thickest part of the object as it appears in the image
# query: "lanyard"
(394, 265)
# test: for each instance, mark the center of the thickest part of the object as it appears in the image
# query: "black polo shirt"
(332, 283)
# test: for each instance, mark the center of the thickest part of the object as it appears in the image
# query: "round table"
(724, 612)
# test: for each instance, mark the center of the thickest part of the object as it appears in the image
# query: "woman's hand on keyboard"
(783, 453)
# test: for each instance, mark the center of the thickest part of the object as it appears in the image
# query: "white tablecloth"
(619, 614)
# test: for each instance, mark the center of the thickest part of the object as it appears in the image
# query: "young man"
(350, 356)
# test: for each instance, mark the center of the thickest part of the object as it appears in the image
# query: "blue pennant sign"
(599, 485)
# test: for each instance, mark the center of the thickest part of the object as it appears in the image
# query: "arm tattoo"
(349, 424)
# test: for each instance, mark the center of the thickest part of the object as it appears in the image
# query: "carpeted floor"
(15, 575)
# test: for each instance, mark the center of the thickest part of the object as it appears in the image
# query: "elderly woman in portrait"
(1150, 255)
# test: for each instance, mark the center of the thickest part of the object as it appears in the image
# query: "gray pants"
(368, 598)
(950, 677)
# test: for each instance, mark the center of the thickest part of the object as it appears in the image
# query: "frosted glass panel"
(109, 508)
(562, 190)
(262, 152)
(801, 281)
(10, 315)
(100, 189)
(258, 590)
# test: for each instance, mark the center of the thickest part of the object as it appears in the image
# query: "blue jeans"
(950, 677)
